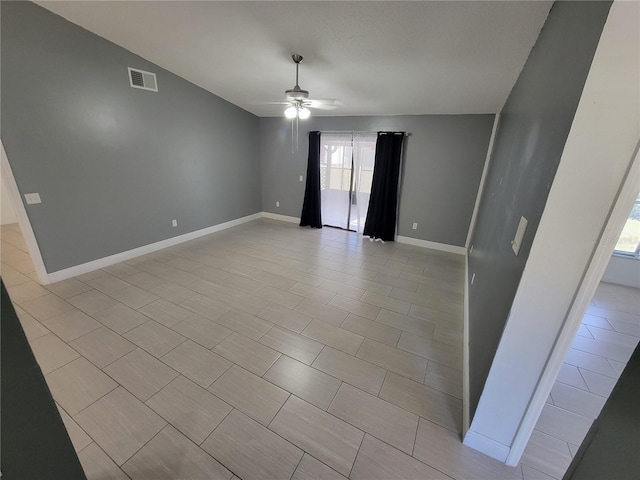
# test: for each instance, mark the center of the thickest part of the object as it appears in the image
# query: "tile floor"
(269, 351)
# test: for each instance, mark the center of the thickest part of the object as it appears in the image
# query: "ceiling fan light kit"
(298, 102)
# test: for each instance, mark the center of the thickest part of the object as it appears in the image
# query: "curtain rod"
(336, 132)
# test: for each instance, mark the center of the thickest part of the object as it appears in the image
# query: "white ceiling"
(379, 58)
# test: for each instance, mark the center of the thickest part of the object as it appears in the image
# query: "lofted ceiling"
(378, 58)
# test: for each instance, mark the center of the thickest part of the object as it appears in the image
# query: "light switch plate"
(517, 240)
(32, 198)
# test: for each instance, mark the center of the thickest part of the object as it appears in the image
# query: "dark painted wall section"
(610, 449)
(114, 165)
(534, 126)
(443, 162)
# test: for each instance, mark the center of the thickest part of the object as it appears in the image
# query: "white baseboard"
(466, 413)
(443, 247)
(136, 252)
(282, 218)
(486, 445)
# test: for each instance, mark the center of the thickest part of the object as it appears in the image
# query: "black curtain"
(383, 203)
(311, 214)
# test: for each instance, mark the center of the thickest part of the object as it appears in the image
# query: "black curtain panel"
(311, 214)
(383, 203)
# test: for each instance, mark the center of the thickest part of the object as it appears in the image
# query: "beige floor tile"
(196, 363)
(589, 361)
(71, 325)
(547, 454)
(26, 291)
(285, 317)
(32, 328)
(78, 437)
(327, 438)
(364, 279)
(170, 455)
(120, 424)
(424, 401)
(312, 469)
(119, 318)
(407, 364)
(305, 382)
(172, 292)
(247, 353)
(378, 461)
(323, 312)
(449, 320)
(145, 280)
(98, 466)
(78, 384)
(334, 287)
(335, 337)
(154, 338)
(244, 323)
(355, 306)
(290, 343)
(577, 401)
(563, 424)
(371, 329)
(313, 293)
(46, 306)
(102, 346)
(280, 297)
(52, 353)
(165, 312)
(140, 373)
(250, 450)
(383, 420)
(189, 408)
(614, 351)
(445, 379)
(133, 297)
(529, 473)
(106, 283)
(436, 351)
(204, 306)
(121, 270)
(205, 332)
(598, 384)
(357, 372)
(388, 303)
(406, 323)
(443, 450)
(570, 375)
(250, 394)
(11, 277)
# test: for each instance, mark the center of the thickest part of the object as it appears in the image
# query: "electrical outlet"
(32, 198)
(415, 226)
(174, 223)
(277, 204)
(300, 177)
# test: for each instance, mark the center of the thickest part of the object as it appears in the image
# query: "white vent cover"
(142, 79)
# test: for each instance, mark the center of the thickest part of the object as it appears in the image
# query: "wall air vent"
(143, 80)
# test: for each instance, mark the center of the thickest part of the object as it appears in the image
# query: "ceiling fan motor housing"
(296, 93)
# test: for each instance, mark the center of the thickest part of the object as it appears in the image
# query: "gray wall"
(114, 165)
(443, 162)
(534, 126)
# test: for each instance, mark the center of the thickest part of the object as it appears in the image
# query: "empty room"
(319, 240)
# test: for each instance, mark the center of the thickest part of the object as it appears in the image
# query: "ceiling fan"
(298, 100)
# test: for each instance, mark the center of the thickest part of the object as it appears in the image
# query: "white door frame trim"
(595, 269)
(23, 218)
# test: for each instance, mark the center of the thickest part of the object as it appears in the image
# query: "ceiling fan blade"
(324, 104)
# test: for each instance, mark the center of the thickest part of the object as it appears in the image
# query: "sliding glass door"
(346, 171)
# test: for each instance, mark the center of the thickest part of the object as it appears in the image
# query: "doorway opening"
(346, 173)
